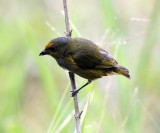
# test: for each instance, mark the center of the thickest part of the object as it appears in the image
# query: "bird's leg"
(74, 92)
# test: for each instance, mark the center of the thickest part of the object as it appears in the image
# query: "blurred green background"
(35, 91)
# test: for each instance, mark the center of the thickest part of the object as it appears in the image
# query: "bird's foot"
(74, 92)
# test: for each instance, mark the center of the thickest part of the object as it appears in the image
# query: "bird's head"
(55, 47)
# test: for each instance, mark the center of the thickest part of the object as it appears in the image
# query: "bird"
(84, 58)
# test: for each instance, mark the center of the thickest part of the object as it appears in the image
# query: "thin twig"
(71, 75)
(77, 114)
(68, 31)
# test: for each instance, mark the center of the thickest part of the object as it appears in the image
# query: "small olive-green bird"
(84, 58)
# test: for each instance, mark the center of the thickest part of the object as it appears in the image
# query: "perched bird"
(84, 58)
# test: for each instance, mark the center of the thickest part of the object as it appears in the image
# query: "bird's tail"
(123, 71)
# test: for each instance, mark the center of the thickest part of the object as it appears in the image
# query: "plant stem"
(68, 31)
(71, 75)
(77, 114)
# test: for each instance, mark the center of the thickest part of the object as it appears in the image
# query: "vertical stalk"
(71, 75)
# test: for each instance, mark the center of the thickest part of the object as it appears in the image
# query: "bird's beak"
(44, 52)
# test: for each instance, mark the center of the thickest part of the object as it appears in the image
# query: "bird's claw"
(74, 92)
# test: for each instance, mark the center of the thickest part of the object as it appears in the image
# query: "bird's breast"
(61, 62)
(67, 63)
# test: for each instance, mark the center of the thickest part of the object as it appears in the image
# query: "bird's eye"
(53, 48)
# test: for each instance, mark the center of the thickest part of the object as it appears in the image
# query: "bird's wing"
(107, 60)
(86, 60)
(92, 60)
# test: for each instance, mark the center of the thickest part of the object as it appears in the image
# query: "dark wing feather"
(92, 60)
(86, 61)
(108, 61)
